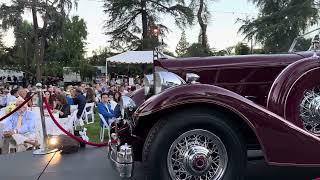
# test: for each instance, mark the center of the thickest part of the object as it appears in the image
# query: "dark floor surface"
(92, 164)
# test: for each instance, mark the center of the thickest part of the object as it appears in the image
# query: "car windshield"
(303, 42)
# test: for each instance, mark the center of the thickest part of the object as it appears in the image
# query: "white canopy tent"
(134, 57)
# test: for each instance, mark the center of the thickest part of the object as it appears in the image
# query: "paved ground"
(92, 164)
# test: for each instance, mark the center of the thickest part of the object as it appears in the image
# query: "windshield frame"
(291, 50)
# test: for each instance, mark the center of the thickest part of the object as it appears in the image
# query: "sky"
(222, 28)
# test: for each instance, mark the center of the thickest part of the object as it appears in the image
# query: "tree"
(86, 70)
(130, 19)
(1, 45)
(99, 57)
(203, 15)
(242, 49)
(182, 45)
(24, 45)
(279, 22)
(68, 48)
(197, 50)
(169, 53)
(51, 13)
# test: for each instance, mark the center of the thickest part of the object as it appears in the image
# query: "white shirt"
(124, 92)
(113, 104)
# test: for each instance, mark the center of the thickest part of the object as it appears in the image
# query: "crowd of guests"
(19, 127)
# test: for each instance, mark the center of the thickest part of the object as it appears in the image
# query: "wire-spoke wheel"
(310, 110)
(194, 145)
(197, 155)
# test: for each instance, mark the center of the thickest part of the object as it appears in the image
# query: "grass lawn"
(93, 130)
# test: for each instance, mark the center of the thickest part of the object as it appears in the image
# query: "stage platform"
(92, 164)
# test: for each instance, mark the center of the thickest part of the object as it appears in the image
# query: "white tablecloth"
(52, 129)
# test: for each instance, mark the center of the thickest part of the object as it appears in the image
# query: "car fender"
(282, 142)
(289, 87)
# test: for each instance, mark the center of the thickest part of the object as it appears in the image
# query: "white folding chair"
(104, 126)
(67, 124)
(89, 113)
(77, 122)
(73, 108)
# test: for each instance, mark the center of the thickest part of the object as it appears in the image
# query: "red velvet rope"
(68, 133)
(17, 108)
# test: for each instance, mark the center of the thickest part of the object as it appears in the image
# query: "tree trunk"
(144, 18)
(203, 26)
(36, 41)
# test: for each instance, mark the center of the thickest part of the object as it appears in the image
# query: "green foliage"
(69, 47)
(125, 26)
(52, 14)
(86, 70)
(182, 45)
(53, 68)
(279, 22)
(242, 49)
(222, 52)
(99, 57)
(24, 47)
(302, 44)
(197, 50)
(259, 51)
(167, 52)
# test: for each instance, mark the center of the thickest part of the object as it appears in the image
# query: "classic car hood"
(230, 61)
(250, 75)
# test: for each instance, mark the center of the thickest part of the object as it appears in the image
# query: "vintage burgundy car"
(197, 117)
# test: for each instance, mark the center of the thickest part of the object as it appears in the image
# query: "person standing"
(79, 100)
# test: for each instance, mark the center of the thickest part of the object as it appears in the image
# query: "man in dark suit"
(104, 108)
(79, 100)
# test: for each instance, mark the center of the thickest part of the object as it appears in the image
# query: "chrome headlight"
(127, 103)
(164, 80)
(148, 84)
(127, 106)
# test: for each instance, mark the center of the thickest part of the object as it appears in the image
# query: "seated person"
(19, 129)
(62, 107)
(104, 108)
(117, 111)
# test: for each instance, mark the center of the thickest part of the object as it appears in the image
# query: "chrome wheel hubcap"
(197, 160)
(197, 154)
(310, 110)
